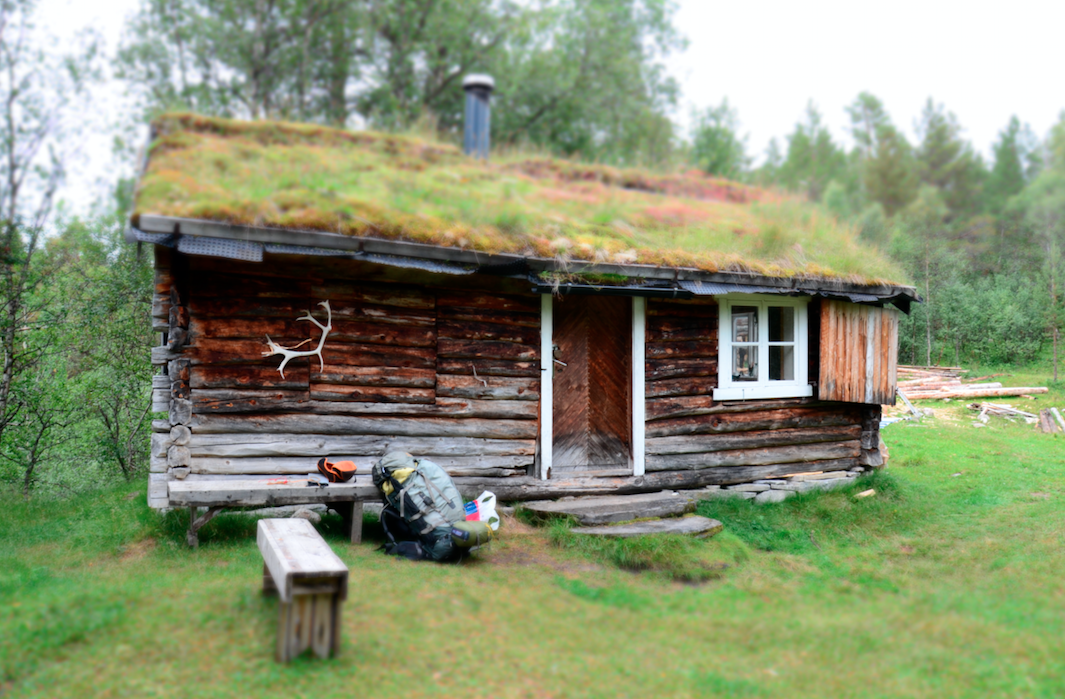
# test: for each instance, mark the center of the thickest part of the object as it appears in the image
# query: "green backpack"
(425, 497)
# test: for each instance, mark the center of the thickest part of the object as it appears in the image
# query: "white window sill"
(757, 392)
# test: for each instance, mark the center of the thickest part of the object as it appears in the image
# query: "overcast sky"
(985, 61)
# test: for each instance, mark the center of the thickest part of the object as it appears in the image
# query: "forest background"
(981, 237)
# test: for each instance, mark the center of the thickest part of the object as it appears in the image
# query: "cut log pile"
(925, 383)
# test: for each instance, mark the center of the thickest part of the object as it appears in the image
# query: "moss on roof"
(308, 177)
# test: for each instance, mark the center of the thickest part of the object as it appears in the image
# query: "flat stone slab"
(699, 527)
(616, 508)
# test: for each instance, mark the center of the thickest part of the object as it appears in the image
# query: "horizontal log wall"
(445, 368)
(693, 439)
(445, 373)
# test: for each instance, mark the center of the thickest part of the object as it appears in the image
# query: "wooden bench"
(311, 582)
(217, 495)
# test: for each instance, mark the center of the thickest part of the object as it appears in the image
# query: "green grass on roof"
(309, 177)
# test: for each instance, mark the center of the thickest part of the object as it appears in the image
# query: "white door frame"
(547, 385)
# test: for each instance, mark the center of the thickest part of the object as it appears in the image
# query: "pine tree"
(947, 162)
(813, 159)
(885, 158)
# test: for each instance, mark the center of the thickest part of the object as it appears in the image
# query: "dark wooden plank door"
(593, 392)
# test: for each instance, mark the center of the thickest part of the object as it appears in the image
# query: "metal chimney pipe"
(478, 89)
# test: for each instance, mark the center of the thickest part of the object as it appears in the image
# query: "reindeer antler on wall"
(291, 352)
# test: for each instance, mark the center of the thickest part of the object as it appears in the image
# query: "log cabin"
(538, 327)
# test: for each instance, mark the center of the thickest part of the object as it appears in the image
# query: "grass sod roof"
(397, 187)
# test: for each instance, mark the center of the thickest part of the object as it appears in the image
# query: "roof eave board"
(151, 223)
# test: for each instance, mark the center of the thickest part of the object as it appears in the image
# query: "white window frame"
(763, 388)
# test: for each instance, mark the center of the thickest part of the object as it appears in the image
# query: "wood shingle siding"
(859, 350)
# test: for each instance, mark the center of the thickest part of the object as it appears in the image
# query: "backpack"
(424, 504)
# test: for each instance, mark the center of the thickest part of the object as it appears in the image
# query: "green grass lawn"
(948, 583)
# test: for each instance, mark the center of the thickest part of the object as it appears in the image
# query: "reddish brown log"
(372, 394)
(498, 302)
(255, 307)
(488, 332)
(656, 350)
(250, 376)
(488, 367)
(179, 317)
(668, 368)
(462, 349)
(695, 386)
(400, 295)
(485, 315)
(343, 331)
(238, 286)
(375, 376)
(675, 331)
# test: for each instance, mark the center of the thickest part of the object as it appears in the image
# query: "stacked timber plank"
(927, 383)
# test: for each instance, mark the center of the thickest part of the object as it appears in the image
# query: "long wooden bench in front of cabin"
(311, 581)
(345, 498)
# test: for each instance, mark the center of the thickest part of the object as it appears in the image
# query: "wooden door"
(592, 420)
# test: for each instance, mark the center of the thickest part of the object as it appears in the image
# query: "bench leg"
(192, 537)
(351, 512)
(356, 522)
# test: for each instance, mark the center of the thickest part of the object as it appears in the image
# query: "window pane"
(745, 362)
(744, 324)
(781, 324)
(782, 363)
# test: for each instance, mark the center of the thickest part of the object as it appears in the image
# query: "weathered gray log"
(162, 355)
(528, 488)
(756, 457)
(161, 400)
(252, 493)
(243, 445)
(178, 456)
(346, 425)
(699, 527)
(180, 389)
(871, 457)
(180, 411)
(208, 402)
(178, 369)
(161, 382)
(699, 444)
(180, 435)
(616, 508)
(177, 338)
(180, 473)
(302, 465)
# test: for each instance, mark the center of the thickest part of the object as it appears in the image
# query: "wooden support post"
(196, 523)
(351, 513)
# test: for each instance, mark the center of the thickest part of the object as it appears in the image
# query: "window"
(762, 348)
